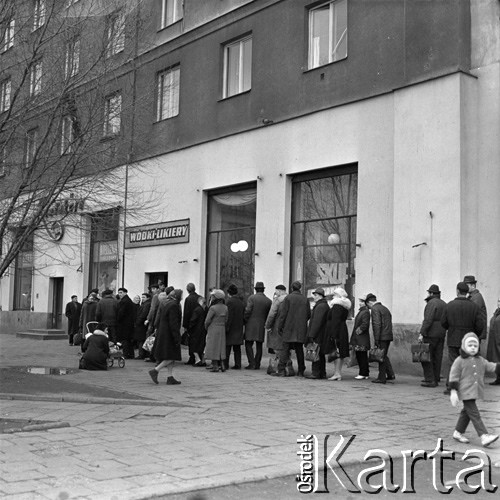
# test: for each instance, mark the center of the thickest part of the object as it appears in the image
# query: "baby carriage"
(115, 349)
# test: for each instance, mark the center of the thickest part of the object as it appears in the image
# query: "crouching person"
(96, 349)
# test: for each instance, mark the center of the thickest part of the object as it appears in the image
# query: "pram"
(115, 349)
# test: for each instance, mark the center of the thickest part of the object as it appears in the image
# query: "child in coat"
(467, 384)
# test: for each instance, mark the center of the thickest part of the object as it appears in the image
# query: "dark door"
(57, 301)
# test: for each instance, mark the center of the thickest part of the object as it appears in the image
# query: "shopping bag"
(376, 354)
(78, 338)
(353, 361)
(148, 343)
(312, 352)
(420, 353)
(273, 365)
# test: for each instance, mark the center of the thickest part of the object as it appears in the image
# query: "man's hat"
(371, 298)
(259, 285)
(470, 279)
(434, 289)
(319, 291)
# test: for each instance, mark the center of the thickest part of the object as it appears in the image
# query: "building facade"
(346, 142)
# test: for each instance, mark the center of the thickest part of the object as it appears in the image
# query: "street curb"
(37, 427)
(91, 400)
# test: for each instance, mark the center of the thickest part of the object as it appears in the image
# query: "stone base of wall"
(21, 321)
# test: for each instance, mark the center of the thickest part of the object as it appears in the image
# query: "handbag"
(185, 339)
(376, 354)
(78, 338)
(148, 343)
(312, 352)
(353, 360)
(420, 353)
(273, 365)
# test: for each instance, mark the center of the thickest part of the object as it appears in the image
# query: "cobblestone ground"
(213, 429)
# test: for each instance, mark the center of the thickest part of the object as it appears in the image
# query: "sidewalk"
(213, 429)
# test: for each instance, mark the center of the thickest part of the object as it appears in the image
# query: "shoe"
(335, 377)
(249, 367)
(487, 439)
(278, 374)
(172, 381)
(200, 363)
(378, 381)
(315, 377)
(208, 367)
(457, 436)
(361, 377)
(300, 373)
(391, 378)
(71, 343)
(222, 368)
(495, 382)
(154, 375)
(189, 362)
(428, 384)
(235, 367)
(214, 369)
(256, 367)
(447, 392)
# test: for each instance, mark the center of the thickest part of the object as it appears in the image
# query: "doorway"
(57, 286)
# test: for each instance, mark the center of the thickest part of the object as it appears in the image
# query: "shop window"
(104, 250)
(237, 77)
(327, 33)
(24, 277)
(168, 93)
(323, 247)
(231, 239)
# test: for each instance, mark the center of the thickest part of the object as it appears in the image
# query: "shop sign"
(165, 233)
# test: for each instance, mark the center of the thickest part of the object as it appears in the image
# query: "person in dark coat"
(317, 330)
(125, 321)
(382, 336)
(215, 323)
(150, 321)
(167, 347)
(336, 330)
(88, 314)
(256, 312)
(475, 296)
(234, 326)
(96, 350)
(360, 339)
(493, 350)
(293, 325)
(460, 316)
(274, 337)
(73, 311)
(140, 328)
(106, 312)
(433, 333)
(190, 302)
(197, 331)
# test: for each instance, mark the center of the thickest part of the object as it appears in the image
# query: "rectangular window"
(171, 12)
(38, 14)
(115, 34)
(112, 115)
(23, 277)
(8, 35)
(30, 147)
(36, 78)
(327, 33)
(67, 135)
(3, 160)
(168, 93)
(72, 59)
(237, 67)
(5, 89)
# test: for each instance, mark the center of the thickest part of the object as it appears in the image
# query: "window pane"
(232, 72)
(319, 41)
(168, 93)
(247, 65)
(339, 49)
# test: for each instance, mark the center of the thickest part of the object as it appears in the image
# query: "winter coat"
(381, 323)
(317, 323)
(476, 297)
(73, 311)
(361, 330)
(167, 346)
(256, 312)
(89, 309)
(433, 312)
(196, 329)
(106, 310)
(461, 316)
(274, 335)
(215, 323)
(493, 351)
(95, 352)
(125, 319)
(293, 322)
(467, 375)
(140, 330)
(155, 304)
(190, 302)
(234, 326)
(336, 333)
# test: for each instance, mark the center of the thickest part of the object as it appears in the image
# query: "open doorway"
(56, 309)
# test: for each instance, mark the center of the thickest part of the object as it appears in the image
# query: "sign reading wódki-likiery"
(164, 233)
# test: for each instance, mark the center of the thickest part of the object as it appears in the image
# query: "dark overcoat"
(141, 329)
(95, 352)
(167, 344)
(234, 325)
(317, 323)
(476, 297)
(256, 312)
(493, 351)
(106, 310)
(336, 328)
(461, 316)
(293, 322)
(274, 335)
(73, 311)
(381, 323)
(89, 309)
(190, 302)
(361, 329)
(196, 329)
(125, 319)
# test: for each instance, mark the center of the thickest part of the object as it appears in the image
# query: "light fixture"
(334, 239)
(241, 246)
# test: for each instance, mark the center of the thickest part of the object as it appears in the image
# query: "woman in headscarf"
(167, 347)
(215, 324)
(96, 349)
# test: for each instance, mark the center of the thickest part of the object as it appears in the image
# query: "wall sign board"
(164, 233)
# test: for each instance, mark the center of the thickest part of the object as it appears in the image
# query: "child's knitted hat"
(467, 336)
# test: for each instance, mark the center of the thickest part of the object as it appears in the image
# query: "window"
(5, 88)
(115, 34)
(237, 67)
(8, 35)
(3, 160)
(171, 12)
(23, 277)
(327, 33)
(67, 135)
(36, 78)
(72, 59)
(168, 93)
(30, 147)
(38, 14)
(112, 115)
